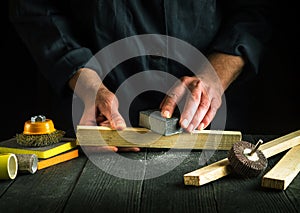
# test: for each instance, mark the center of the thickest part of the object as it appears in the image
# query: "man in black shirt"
(63, 36)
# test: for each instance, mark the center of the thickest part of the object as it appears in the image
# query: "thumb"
(110, 110)
(116, 120)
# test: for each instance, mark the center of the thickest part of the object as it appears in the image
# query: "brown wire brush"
(39, 131)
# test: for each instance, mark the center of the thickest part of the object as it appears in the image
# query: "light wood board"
(222, 168)
(144, 138)
(284, 172)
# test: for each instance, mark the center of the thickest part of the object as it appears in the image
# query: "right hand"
(201, 102)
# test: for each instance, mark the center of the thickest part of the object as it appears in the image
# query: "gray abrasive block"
(152, 119)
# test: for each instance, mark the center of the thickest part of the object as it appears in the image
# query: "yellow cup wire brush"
(39, 131)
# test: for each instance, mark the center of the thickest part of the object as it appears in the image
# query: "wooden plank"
(99, 191)
(284, 172)
(207, 174)
(144, 138)
(222, 168)
(46, 191)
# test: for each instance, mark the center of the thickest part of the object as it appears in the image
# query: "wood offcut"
(284, 172)
(222, 168)
(145, 138)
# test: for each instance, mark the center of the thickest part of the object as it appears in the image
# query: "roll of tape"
(8, 166)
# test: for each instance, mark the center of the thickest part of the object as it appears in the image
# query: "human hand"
(201, 104)
(204, 91)
(102, 109)
(100, 105)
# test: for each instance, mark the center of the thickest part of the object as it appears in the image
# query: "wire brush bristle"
(40, 140)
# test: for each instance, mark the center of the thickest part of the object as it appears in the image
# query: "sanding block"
(152, 119)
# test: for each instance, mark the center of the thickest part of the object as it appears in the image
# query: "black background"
(276, 108)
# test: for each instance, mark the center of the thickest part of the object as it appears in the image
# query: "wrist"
(85, 83)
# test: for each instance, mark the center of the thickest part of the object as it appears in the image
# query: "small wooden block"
(222, 168)
(207, 174)
(145, 138)
(284, 172)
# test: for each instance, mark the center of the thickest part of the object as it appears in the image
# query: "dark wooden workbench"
(79, 186)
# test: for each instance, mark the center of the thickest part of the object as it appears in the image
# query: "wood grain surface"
(144, 138)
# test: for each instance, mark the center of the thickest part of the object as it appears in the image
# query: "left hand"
(100, 106)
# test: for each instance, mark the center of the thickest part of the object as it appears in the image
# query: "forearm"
(86, 83)
(227, 67)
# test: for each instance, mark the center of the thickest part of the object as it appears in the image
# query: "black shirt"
(63, 35)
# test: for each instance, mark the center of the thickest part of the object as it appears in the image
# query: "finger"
(168, 105)
(171, 99)
(207, 119)
(129, 149)
(105, 123)
(96, 149)
(202, 110)
(109, 108)
(191, 105)
(209, 116)
(116, 121)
